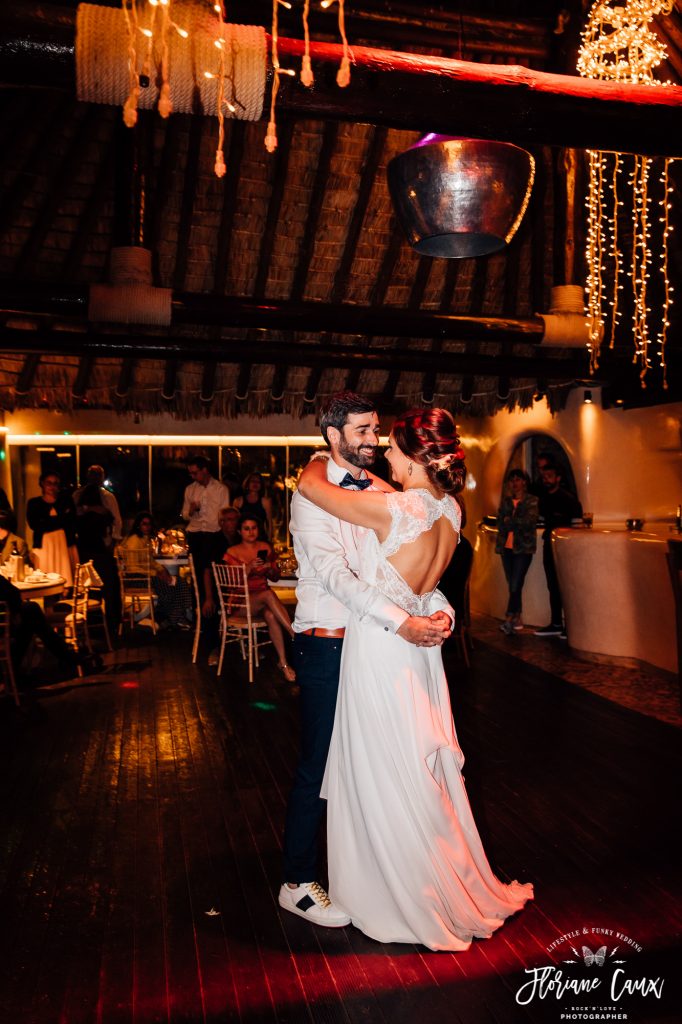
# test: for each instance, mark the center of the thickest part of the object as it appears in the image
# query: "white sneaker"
(309, 900)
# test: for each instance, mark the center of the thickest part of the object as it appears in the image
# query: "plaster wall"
(627, 463)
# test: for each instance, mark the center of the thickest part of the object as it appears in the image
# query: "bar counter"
(617, 594)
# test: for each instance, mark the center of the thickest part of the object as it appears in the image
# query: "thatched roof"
(312, 223)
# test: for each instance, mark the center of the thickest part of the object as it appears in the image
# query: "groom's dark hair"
(337, 409)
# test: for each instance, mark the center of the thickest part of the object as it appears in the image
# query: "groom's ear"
(334, 435)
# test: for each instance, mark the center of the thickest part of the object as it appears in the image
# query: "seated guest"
(27, 620)
(93, 529)
(517, 519)
(227, 537)
(174, 595)
(9, 541)
(52, 517)
(259, 558)
(255, 503)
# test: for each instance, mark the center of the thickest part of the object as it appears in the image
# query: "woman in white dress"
(405, 858)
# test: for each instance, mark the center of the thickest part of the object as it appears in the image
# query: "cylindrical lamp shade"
(458, 198)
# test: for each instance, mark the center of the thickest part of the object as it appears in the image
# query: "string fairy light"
(307, 76)
(343, 74)
(156, 45)
(619, 44)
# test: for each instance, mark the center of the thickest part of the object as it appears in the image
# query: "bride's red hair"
(429, 438)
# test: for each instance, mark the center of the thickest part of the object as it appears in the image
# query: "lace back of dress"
(413, 512)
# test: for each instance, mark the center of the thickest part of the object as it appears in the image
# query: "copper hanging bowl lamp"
(458, 198)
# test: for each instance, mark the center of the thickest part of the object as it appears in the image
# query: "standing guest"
(93, 532)
(52, 517)
(558, 507)
(259, 558)
(10, 541)
(204, 498)
(174, 594)
(517, 519)
(255, 502)
(95, 475)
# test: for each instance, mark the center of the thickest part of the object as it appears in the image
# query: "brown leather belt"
(330, 634)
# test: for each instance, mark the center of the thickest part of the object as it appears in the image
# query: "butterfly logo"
(597, 958)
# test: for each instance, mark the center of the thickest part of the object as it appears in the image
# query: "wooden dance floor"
(142, 817)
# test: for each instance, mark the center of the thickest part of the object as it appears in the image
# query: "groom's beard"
(360, 456)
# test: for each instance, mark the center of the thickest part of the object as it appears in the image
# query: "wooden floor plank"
(136, 802)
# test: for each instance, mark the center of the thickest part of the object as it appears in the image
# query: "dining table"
(173, 563)
(52, 586)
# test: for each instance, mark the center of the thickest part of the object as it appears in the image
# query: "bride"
(406, 862)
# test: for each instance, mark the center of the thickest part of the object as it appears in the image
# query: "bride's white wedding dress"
(405, 858)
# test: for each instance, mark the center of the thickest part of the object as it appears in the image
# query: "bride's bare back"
(422, 562)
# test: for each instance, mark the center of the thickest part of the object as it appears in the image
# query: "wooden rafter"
(125, 377)
(227, 350)
(80, 385)
(162, 182)
(187, 206)
(27, 374)
(88, 219)
(305, 252)
(233, 160)
(51, 126)
(380, 287)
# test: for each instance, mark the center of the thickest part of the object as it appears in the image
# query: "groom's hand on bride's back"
(426, 630)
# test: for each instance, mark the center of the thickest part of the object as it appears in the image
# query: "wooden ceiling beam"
(125, 377)
(35, 298)
(554, 366)
(233, 160)
(189, 189)
(379, 289)
(80, 385)
(51, 127)
(397, 90)
(91, 213)
(411, 24)
(430, 378)
(208, 378)
(305, 252)
(60, 178)
(27, 374)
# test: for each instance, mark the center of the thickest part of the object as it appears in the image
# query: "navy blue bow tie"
(350, 481)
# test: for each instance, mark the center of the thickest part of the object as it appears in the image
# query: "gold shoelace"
(317, 891)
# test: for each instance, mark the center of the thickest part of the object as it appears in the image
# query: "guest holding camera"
(259, 558)
(517, 519)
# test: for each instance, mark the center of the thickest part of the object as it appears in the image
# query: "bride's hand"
(423, 631)
(445, 623)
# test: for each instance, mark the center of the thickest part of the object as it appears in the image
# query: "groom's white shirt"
(327, 552)
(328, 589)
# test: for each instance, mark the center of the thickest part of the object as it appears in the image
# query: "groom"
(328, 591)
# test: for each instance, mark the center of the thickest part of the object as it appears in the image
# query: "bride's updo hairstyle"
(429, 438)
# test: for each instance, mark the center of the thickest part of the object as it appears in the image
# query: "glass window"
(170, 479)
(270, 463)
(126, 474)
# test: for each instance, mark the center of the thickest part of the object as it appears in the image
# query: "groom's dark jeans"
(317, 661)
